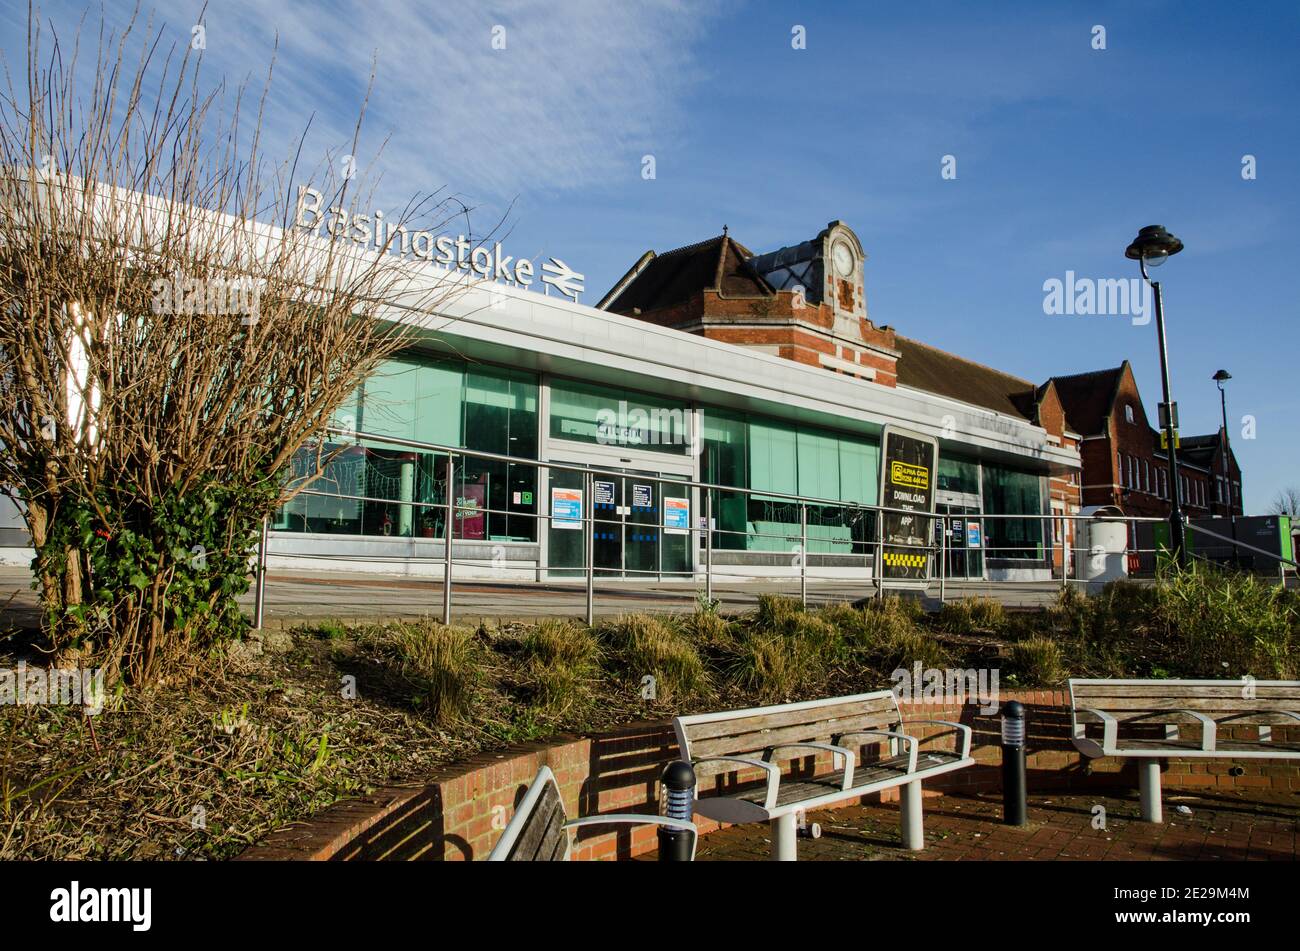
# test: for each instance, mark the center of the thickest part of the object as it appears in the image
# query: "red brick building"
(791, 302)
(1124, 464)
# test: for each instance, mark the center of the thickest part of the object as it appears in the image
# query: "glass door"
(608, 508)
(566, 534)
(640, 530)
(964, 531)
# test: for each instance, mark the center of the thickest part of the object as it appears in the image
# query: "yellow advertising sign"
(909, 475)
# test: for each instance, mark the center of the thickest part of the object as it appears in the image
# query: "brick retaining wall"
(459, 812)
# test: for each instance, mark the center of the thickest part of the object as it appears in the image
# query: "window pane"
(612, 416)
(959, 475)
(432, 401)
(1008, 492)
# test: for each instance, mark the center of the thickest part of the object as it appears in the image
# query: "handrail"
(859, 537)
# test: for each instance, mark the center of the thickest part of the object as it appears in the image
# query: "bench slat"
(543, 835)
(1162, 689)
(1200, 704)
(751, 722)
(821, 731)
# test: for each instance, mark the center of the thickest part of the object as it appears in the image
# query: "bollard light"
(1014, 791)
(1013, 723)
(678, 784)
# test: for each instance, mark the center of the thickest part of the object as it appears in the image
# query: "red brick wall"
(710, 315)
(459, 813)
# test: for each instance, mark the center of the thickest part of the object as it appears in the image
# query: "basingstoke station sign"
(459, 252)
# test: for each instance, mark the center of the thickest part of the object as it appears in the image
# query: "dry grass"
(1037, 662)
(444, 662)
(560, 659)
(972, 614)
(652, 647)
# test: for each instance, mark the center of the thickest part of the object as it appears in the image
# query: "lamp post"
(1151, 248)
(1221, 377)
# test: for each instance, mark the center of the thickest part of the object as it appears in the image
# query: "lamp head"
(1153, 246)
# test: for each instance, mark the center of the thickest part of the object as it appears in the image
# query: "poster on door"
(602, 493)
(471, 520)
(677, 516)
(973, 535)
(566, 508)
(642, 495)
(907, 486)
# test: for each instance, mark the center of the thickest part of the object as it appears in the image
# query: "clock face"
(843, 259)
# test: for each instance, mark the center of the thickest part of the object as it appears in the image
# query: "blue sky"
(1062, 152)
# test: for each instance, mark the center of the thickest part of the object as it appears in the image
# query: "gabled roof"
(665, 280)
(1088, 398)
(1209, 441)
(1200, 450)
(923, 367)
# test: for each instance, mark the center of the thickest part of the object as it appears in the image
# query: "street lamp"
(1151, 248)
(1221, 377)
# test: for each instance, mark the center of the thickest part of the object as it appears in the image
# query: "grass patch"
(770, 666)
(972, 614)
(707, 629)
(444, 662)
(652, 647)
(1036, 662)
(560, 659)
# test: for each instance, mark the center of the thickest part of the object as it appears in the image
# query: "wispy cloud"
(579, 92)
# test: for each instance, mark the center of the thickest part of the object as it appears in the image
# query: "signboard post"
(907, 478)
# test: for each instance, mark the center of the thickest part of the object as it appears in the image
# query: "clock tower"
(842, 287)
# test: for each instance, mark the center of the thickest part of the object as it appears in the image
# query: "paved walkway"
(294, 597)
(1228, 825)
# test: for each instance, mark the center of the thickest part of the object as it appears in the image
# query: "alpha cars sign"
(459, 252)
(907, 487)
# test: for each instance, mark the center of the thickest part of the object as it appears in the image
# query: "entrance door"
(965, 540)
(640, 530)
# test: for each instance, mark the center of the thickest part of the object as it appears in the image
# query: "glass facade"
(450, 403)
(611, 416)
(959, 475)
(376, 489)
(1010, 492)
(768, 455)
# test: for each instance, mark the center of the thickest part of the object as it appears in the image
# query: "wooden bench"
(760, 739)
(539, 831)
(1142, 720)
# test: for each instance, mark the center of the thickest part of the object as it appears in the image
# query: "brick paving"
(1226, 825)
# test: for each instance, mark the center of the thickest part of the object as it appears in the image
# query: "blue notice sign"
(973, 534)
(677, 516)
(566, 508)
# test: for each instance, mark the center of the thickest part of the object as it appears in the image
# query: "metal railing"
(863, 548)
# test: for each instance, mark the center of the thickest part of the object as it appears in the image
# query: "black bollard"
(678, 783)
(1013, 763)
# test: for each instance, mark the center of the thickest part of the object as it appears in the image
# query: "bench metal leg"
(910, 816)
(785, 831)
(1149, 790)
